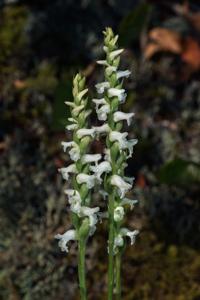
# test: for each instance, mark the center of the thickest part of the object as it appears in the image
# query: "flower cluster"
(83, 216)
(119, 147)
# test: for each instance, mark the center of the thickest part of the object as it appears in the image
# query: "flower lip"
(64, 238)
(65, 171)
(67, 145)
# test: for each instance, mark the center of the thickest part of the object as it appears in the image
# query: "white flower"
(119, 239)
(102, 86)
(123, 142)
(120, 137)
(74, 200)
(121, 74)
(127, 201)
(103, 167)
(101, 129)
(72, 127)
(119, 116)
(69, 235)
(89, 180)
(85, 131)
(118, 242)
(120, 93)
(67, 145)
(130, 144)
(98, 102)
(89, 158)
(74, 152)
(104, 110)
(119, 213)
(122, 186)
(115, 53)
(130, 234)
(65, 171)
(91, 213)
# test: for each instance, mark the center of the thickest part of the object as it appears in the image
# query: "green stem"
(110, 247)
(81, 269)
(118, 275)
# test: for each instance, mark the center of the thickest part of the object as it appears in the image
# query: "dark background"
(42, 45)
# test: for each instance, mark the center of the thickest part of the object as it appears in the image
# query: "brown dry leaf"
(163, 39)
(19, 84)
(191, 53)
(141, 181)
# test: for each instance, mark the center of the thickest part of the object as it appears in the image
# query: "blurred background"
(42, 45)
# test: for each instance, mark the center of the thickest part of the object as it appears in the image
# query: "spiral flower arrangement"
(107, 172)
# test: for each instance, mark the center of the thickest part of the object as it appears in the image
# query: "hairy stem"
(118, 275)
(110, 247)
(81, 269)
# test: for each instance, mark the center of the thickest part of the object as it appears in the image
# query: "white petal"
(121, 74)
(75, 152)
(130, 234)
(69, 235)
(102, 62)
(122, 186)
(72, 127)
(127, 201)
(119, 116)
(102, 129)
(103, 167)
(115, 53)
(99, 102)
(102, 86)
(85, 131)
(65, 171)
(120, 93)
(88, 158)
(67, 145)
(103, 112)
(89, 180)
(74, 200)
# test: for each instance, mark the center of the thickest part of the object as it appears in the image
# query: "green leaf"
(132, 24)
(179, 171)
